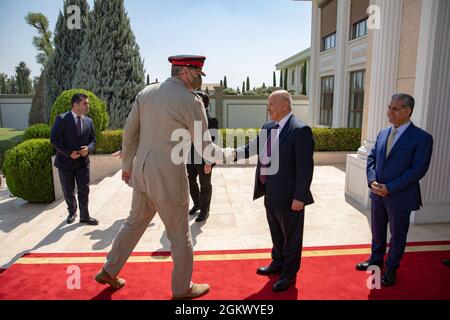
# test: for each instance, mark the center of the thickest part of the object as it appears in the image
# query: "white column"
(340, 63)
(313, 70)
(383, 83)
(384, 65)
(432, 112)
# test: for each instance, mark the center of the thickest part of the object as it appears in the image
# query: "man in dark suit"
(198, 168)
(73, 136)
(283, 175)
(400, 158)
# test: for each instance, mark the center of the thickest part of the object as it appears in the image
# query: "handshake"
(83, 152)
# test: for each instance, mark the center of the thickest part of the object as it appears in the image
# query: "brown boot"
(196, 291)
(104, 278)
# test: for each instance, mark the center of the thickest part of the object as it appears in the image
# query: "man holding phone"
(73, 136)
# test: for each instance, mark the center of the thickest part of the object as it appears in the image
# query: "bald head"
(279, 104)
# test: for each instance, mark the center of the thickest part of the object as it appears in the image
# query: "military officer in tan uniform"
(159, 183)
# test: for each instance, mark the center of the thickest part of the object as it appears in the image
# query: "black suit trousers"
(81, 176)
(286, 230)
(200, 196)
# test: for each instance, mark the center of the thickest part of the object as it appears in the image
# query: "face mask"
(197, 82)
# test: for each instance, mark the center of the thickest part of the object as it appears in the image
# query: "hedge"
(37, 131)
(327, 139)
(97, 108)
(28, 171)
(109, 141)
(9, 138)
(337, 139)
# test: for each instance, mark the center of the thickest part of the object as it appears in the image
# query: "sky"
(239, 38)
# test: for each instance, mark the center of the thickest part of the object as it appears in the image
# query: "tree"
(248, 84)
(221, 83)
(148, 79)
(225, 82)
(23, 78)
(11, 85)
(44, 46)
(42, 42)
(243, 86)
(304, 80)
(264, 85)
(37, 114)
(274, 82)
(238, 91)
(3, 80)
(61, 67)
(110, 64)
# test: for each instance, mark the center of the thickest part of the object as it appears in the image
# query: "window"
(356, 101)
(326, 103)
(329, 42)
(293, 77)
(359, 29)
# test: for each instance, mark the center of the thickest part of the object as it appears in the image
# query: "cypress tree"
(110, 64)
(243, 86)
(221, 83)
(148, 79)
(248, 84)
(304, 79)
(60, 70)
(23, 78)
(225, 82)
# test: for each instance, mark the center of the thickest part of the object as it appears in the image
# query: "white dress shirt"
(75, 117)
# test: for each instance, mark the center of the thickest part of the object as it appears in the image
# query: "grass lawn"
(9, 138)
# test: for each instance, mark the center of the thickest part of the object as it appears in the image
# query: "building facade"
(408, 53)
(295, 74)
(339, 49)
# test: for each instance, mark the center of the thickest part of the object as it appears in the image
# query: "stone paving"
(236, 222)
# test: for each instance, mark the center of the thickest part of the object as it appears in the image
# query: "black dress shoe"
(283, 284)
(90, 221)
(202, 216)
(363, 266)
(194, 210)
(446, 263)
(265, 271)
(389, 277)
(71, 218)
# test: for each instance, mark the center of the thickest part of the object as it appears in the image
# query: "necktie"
(390, 140)
(79, 126)
(262, 176)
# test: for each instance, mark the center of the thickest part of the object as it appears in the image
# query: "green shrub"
(241, 137)
(9, 138)
(109, 141)
(337, 139)
(28, 171)
(97, 108)
(229, 92)
(38, 131)
(327, 139)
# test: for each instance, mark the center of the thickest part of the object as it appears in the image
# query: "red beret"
(188, 61)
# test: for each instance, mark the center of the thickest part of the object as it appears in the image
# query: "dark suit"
(291, 181)
(201, 196)
(400, 171)
(65, 139)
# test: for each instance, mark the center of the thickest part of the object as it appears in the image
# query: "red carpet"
(326, 273)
